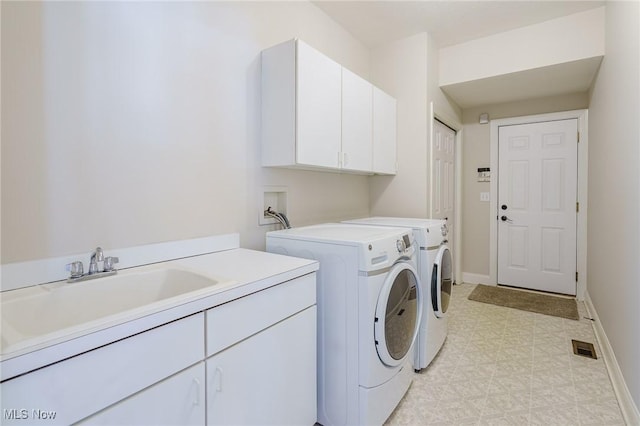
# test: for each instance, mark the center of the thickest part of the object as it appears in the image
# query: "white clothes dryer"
(369, 299)
(435, 269)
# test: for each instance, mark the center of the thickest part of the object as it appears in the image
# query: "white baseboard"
(627, 405)
(476, 278)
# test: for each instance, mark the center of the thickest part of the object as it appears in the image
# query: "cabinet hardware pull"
(197, 400)
(219, 374)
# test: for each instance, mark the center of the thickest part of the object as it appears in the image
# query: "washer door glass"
(441, 281)
(398, 314)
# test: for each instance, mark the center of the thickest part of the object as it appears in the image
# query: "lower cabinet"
(177, 400)
(249, 361)
(268, 378)
(76, 388)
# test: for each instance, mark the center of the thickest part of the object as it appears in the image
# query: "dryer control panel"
(444, 230)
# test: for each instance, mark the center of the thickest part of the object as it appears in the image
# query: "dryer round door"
(398, 314)
(441, 281)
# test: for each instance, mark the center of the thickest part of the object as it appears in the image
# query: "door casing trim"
(581, 219)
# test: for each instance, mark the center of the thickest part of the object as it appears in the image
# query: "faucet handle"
(76, 269)
(109, 263)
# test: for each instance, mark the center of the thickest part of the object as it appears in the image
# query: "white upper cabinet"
(384, 133)
(316, 114)
(301, 107)
(319, 117)
(357, 122)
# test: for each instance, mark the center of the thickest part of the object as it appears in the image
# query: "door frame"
(581, 218)
(456, 125)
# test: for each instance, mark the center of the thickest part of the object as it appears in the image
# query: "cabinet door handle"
(218, 374)
(197, 400)
(345, 161)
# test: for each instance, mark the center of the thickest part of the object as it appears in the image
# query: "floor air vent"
(584, 349)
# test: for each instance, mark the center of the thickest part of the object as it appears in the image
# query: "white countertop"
(249, 271)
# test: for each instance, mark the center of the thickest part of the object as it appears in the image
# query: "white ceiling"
(451, 22)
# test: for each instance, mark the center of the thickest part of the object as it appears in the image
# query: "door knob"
(506, 219)
(504, 207)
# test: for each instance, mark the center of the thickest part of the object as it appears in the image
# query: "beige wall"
(400, 68)
(614, 190)
(475, 220)
(134, 123)
(443, 106)
(408, 70)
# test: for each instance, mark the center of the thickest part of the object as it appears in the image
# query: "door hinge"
(578, 137)
(576, 277)
(577, 207)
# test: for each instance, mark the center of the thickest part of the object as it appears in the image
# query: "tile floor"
(502, 366)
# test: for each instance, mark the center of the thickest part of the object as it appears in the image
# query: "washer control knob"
(400, 245)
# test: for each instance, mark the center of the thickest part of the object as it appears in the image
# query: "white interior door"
(443, 177)
(537, 184)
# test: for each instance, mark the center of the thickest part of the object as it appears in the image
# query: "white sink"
(63, 308)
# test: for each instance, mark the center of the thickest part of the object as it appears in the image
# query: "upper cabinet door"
(319, 113)
(384, 133)
(357, 116)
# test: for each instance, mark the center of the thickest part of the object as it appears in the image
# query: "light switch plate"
(484, 196)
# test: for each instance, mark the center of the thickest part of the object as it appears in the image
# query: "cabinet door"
(258, 311)
(384, 133)
(85, 384)
(267, 379)
(357, 115)
(178, 400)
(318, 108)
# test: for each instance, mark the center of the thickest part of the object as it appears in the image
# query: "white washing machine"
(435, 269)
(369, 299)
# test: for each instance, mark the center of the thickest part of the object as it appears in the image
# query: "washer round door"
(398, 314)
(441, 281)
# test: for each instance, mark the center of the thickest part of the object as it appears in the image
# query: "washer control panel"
(405, 244)
(383, 253)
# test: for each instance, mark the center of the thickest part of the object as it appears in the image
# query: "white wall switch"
(484, 196)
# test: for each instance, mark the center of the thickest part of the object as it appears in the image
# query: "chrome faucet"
(99, 266)
(96, 256)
